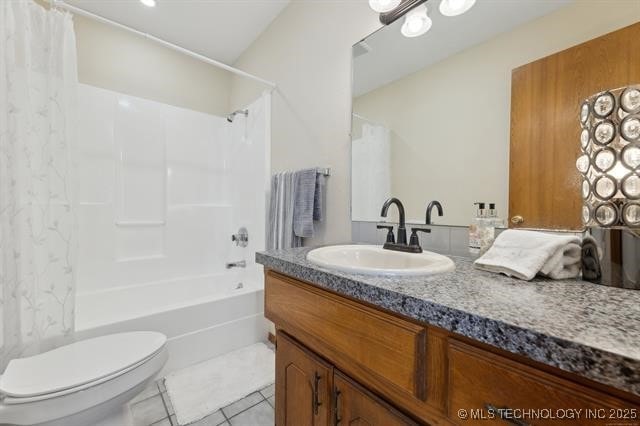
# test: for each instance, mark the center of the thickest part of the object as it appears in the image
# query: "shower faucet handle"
(241, 238)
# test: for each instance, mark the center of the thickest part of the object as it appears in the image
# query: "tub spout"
(238, 264)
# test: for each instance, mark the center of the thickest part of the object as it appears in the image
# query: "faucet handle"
(414, 240)
(241, 238)
(390, 237)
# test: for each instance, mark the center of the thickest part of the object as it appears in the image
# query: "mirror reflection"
(432, 114)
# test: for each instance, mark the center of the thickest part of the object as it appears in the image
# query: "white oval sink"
(374, 260)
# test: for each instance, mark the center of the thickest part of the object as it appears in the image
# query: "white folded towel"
(524, 254)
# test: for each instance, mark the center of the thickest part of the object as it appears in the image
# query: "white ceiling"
(394, 56)
(219, 29)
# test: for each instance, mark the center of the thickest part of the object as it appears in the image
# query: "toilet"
(80, 383)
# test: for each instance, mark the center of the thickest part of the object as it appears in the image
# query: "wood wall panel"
(544, 186)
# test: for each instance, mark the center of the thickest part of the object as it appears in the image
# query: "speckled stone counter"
(583, 328)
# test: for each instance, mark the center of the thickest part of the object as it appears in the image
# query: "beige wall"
(117, 60)
(450, 122)
(307, 51)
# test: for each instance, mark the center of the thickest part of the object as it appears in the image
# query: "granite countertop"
(580, 327)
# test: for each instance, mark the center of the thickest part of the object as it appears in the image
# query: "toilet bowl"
(80, 383)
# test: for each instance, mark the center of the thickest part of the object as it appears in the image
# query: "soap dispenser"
(493, 216)
(481, 231)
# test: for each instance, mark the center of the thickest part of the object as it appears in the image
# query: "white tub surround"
(161, 191)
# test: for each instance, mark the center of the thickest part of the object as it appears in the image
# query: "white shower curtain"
(370, 172)
(38, 81)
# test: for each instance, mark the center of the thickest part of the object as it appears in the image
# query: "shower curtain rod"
(63, 5)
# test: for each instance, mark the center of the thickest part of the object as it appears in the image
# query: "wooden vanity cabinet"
(343, 362)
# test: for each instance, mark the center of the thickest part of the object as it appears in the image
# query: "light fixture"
(148, 3)
(455, 7)
(609, 164)
(417, 22)
(384, 6)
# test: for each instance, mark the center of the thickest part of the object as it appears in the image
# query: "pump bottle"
(481, 231)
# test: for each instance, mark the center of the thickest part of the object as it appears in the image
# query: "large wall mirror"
(433, 115)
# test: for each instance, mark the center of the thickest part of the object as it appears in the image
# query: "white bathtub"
(202, 316)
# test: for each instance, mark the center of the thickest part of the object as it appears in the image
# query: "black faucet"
(402, 230)
(430, 207)
(401, 244)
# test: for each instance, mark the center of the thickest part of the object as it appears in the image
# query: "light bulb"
(455, 7)
(417, 22)
(148, 3)
(415, 25)
(383, 6)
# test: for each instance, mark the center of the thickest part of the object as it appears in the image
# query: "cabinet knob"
(516, 220)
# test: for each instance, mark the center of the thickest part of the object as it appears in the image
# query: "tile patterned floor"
(153, 407)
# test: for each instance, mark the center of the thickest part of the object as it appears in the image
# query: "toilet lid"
(78, 363)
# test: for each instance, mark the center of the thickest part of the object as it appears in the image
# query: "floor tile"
(272, 400)
(238, 406)
(258, 415)
(268, 391)
(167, 403)
(174, 420)
(211, 420)
(147, 392)
(149, 411)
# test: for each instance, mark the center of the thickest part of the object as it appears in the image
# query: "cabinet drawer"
(370, 343)
(479, 379)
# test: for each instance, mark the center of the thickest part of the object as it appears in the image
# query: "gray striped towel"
(280, 233)
(308, 201)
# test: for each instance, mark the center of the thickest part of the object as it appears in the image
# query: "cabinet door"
(303, 385)
(354, 405)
